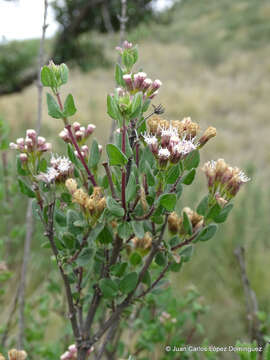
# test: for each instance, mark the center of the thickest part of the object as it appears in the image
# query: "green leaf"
(173, 174)
(69, 106)
(135, 258)
(94, 155)
(108, 288)
(127, 59)
(85, 257)
(119, 269)
(66, 197)
(136, 105)
(131, 188)
(112, 108)
(25, 189)
(105, 236)
(128, 283)
(63, 70)
(69, 240)
(124, 230)
(42, 165)
(266, 353)
(20, 169)
(147, 278)
(192, 160)
(207, 233)
(114, 207)
(186, 253)
(168, 201)
(138, 228)
(53, 108)
(187, 224)
(60, 218)
(161, 259)
(116, 157)
(149, 175)
(47, 77)
(203, 206)
(72, 217)
(222, 216)
(213, 211)
(119, 75)
(189, 177)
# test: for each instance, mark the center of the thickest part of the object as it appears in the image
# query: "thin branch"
(154, 284)
(9, 319)
(126, 302)
(251, 300)
(123, 20)
(71, 307)
(26, 257)
(109, 175)
(186, 242)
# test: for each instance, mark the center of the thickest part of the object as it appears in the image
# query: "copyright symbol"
(168, 348)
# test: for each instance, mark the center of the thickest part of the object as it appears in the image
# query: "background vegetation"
(212, 58)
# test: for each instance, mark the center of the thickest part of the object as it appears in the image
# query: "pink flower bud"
(41, 140)
(65, 356)
(13, 146)
(64, 135)
(128, 80)
(20, 141)
(118, 48)
(127, 45)
(156, 85)
(46, 147)
(120, 91)
(23, 158)
(76, 126)
(85, 150)
(146, 84)
(76, 154)
(100, 148)
(90, 129)
(72, 348)
(139, 79)
(78, 135)
(31, 134)
(29, 144)
(82, 129)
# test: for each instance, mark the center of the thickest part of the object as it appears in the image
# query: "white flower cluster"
(60, 169)
(171, 146)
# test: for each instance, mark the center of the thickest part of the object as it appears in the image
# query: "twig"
(123, 20)
(161, 275)
(26, 257)
(108, 338)
(185, 242)
(126, 302)
(251, 300)
(29, 218)
(9, 319)
(83, 243)
(109, 175)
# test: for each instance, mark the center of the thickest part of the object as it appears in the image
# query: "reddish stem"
(123, 190)
(74, 142)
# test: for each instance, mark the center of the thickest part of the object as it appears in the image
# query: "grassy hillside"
(213, 59)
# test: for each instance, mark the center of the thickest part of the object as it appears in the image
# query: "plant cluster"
(108, 231)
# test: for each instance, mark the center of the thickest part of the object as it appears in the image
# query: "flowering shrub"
(116, 235)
